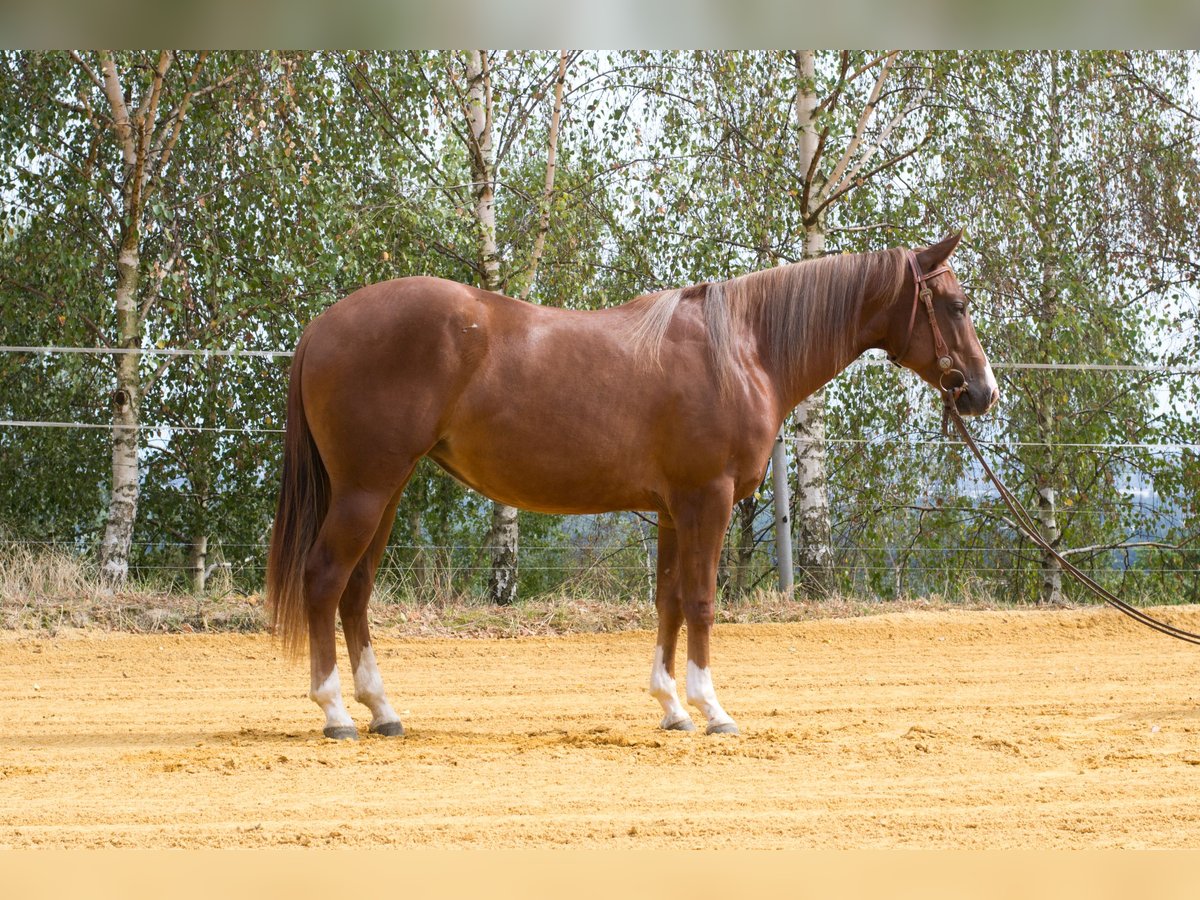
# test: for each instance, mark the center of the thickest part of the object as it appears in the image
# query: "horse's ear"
(933, 256)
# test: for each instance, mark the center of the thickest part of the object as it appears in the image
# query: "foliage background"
(299, 177)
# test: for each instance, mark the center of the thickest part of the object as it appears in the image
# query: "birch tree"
(480, 107)
(480, 136)
(480, 118)
(859, 116)
(145, 147)
(108, 143)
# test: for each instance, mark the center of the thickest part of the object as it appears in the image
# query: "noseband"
(923, 295)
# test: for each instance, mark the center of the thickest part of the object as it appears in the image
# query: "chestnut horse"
(669, 403)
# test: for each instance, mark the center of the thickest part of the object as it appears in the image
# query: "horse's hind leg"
(669, 600)
(368, 683)
(348, 530)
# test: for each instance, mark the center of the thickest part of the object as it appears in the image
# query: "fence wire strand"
(864, 361)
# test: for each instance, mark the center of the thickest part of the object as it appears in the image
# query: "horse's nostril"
(995, 398)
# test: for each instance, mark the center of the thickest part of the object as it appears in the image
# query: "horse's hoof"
(684, 724)
(341, 732)
(388, 729)
(724, 728)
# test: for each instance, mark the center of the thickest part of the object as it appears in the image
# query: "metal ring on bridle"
(955, 389)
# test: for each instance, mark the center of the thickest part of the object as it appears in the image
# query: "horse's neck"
(817, 372)
(816, 368)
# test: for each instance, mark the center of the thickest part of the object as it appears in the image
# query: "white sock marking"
(328, 696)
(700, 694)
(368, 688)
(662, 688)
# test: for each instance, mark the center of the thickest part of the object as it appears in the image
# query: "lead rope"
(1026, 524)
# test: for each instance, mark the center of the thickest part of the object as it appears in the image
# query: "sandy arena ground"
(930, 729)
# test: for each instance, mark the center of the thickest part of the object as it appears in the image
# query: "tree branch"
(862, 179)
(866, 67)
(986, 513)
(510, 130)
(170, 135)
(120, 114)
(148, 115)
(829, 104)
(148, 108)
(860, 128)
(884, 135)
(1126, 545)
(539, 242)
(91, 73)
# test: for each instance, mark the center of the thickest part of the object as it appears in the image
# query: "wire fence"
(248, 429)
(877, 569)
(864, 361)
(880, 570)
(925, 440)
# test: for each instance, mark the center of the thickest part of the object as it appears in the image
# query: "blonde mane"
(793, 308)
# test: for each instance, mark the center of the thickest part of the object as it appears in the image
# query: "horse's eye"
(959, 308)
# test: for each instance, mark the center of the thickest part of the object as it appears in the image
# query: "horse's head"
(930, 331)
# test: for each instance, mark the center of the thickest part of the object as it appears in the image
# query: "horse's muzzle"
(977, 399)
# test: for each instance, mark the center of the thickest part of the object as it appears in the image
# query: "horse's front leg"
(668, 598)
(701, 519)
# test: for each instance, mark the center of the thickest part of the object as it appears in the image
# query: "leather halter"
(922, 295)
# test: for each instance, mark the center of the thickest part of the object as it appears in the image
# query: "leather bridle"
(1021, 519)
(922, 295)
(1025, 523)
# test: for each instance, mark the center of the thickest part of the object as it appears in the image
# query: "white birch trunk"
(123, 499)
(806, 107)
(1047, 500)
(811, 529)
(198, 562)
(504, 536)
(122, 508)
(814, 556)
(504, 539)
(1047, 491)
(483, 165)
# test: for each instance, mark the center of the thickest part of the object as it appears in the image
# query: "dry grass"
(43, 573)
(47, 589)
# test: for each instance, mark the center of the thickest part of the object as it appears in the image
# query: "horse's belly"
(546, 476)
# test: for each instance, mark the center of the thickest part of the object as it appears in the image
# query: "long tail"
(303, 502)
